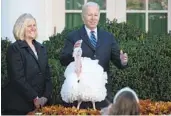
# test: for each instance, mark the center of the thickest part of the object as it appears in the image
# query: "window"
(148, 15)
(152, 16)
(73, 9)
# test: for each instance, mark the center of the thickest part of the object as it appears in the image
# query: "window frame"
(115, 9)
(147, 12)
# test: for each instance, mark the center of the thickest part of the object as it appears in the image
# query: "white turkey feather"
(91, 85)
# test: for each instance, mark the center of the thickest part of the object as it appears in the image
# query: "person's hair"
(125, 103)
(21, 24)
(85, 6)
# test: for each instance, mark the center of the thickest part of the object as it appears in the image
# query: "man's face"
(91, 17)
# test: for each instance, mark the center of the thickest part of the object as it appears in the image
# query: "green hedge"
(149, 71)
(4, 78)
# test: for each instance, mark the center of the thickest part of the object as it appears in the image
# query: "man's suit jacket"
(107, 49)
(29, 77)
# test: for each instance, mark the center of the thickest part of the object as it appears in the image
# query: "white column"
(58, 12)
(169, 16)
(146, 16)
(120, 10)
(110, 9)
(49, 18)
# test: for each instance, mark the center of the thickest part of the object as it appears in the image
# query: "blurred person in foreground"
(125, 102)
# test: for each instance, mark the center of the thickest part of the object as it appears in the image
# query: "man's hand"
(43, 101)
(78, 44)
(124, 58)
(77, 52)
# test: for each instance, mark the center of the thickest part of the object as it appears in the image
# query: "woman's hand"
(37, 102)
(43, 101)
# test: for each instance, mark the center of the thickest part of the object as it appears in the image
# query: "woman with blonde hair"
(30, 84)
(125, 102)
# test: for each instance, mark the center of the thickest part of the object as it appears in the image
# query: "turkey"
(84, 81)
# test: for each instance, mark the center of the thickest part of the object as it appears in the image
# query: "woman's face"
(31, 29)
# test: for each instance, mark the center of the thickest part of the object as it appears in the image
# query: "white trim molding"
(58, 12)
(169, 16)
(120, 10)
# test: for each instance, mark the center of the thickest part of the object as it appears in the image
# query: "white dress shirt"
(89, 31)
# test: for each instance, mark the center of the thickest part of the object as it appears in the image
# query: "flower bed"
(147, 107)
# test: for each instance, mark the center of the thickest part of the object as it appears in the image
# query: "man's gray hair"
(84, 8)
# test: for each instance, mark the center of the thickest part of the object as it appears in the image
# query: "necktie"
(93, 39)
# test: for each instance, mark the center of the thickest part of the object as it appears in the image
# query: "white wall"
(110, 10)
(40, 9)
(51, 14)
(120, 10)
(169, 15)
(58, 12)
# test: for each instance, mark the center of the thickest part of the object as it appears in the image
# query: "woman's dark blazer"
(29, 77)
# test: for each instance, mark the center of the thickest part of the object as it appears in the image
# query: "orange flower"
(147, 107)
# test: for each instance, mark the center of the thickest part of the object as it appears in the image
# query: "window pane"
(158, 4)
(157, 23)
(74, 19)
(137, 19)
(73, 4)
(135, 4)
(102, 3)
(102, 18)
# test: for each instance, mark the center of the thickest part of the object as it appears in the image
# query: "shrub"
(149, 68)
(148, 63)
(123, 31)
(4, 45)
(54, 47)
(147, 107)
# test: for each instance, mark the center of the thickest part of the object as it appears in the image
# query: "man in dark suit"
(96, 44)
